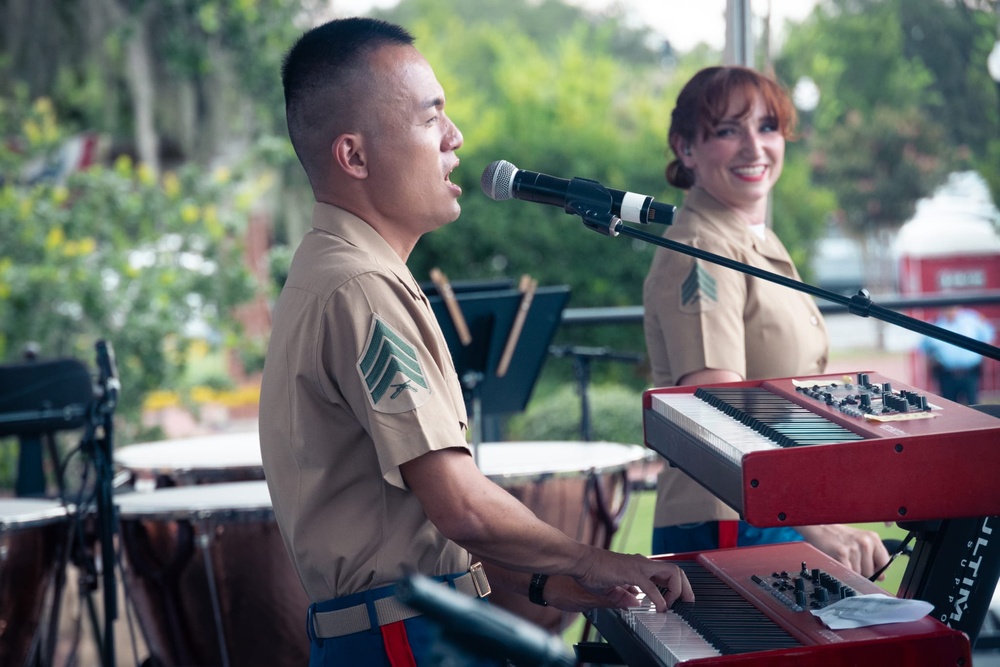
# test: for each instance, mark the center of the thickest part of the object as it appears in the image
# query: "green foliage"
(800, 208)
(881, 165)
(904, 99)
(615, 410)
(110, 253)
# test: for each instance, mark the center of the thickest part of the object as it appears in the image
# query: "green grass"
(635, 536)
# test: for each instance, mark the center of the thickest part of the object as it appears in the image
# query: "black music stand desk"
(490, 317)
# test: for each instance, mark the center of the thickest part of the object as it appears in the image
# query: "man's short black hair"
(317, 69)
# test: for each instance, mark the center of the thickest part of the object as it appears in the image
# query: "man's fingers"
(670, 585)
(677, 587)
(653, 594)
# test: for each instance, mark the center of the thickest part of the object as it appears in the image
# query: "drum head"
(199, 501)
(511, 461)
(227, 457)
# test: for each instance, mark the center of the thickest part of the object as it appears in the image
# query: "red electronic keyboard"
(753, 606)
(829, 449)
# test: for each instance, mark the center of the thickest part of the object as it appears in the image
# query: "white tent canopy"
(959, 219)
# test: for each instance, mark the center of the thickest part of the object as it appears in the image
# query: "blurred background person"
(708, 324)
(957, 371)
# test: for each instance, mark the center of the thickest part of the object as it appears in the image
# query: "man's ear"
(349, 155)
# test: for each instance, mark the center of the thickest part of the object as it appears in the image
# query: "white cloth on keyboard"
(872, 609)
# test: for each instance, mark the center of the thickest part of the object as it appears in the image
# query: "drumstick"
(527, 288)
(451, 303)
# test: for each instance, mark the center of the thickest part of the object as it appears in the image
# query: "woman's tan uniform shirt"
(700, 315)
(357, 380)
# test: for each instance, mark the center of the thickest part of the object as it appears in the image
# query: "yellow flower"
(146, 174)
(54, 238)
(245, 200)
(211, 215)
(32, 131)
(43, 105)
(5, 265)
(203, 395)
(25, 208)
(235, 398)
(79, 248)
(157, 400)
(171, 185)
(123, 165)
(59, 195)
(221, 175)
(190, 213)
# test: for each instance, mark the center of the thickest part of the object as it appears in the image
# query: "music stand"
(43, 397)
(490, 317)
(38, 397)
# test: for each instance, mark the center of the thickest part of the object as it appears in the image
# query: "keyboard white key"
(667, 635)
(711, 426)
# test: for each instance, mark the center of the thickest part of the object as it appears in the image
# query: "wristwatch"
(536, 590)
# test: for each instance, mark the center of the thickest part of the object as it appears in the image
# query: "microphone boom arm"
(592, 202)
(859, 304)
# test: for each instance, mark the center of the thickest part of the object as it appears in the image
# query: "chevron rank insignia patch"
(699, 292)
(391, 371)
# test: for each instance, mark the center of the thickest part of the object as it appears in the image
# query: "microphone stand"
(592, 202)
(98, 443)
(582, 357)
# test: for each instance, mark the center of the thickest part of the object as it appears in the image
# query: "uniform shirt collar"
(700, 201)
(355, 231)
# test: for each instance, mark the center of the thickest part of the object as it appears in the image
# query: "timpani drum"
(33, 535)
(209, 576)
(581, 488)
(211, 459)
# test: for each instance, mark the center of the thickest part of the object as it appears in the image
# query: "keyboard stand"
(955, 565)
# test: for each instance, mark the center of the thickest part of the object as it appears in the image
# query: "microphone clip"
(592, 202)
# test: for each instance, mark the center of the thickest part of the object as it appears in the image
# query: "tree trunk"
(139, 74)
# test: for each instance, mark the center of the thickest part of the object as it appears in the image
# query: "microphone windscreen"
(498, 179)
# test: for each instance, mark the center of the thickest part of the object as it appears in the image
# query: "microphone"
(481, 629)
(502, 180)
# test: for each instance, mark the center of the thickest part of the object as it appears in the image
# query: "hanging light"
(805, 95)
(993, 62)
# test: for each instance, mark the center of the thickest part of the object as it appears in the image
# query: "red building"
(952, 247)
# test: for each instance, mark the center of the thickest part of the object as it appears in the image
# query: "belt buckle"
(479, 580)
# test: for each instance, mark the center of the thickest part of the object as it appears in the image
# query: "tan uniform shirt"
(357, 380)
(699, 315)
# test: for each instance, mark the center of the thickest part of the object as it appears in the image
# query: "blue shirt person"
(957, 370)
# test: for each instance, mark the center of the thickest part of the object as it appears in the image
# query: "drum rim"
(37, 511)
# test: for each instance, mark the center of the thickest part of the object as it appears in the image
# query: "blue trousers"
(427, 643)
(705, 536)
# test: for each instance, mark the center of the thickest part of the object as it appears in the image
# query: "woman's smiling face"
(741, 158)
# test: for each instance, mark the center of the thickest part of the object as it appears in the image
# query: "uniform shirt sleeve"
(698, 310)
(384, 354)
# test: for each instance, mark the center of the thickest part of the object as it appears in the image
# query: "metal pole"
(739, 34)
